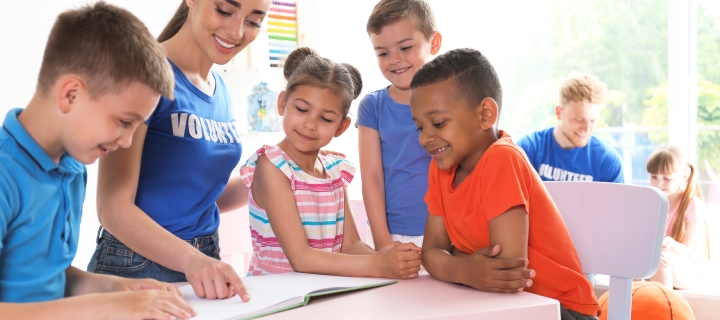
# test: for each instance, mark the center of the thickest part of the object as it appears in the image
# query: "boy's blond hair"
(580, 87)
(108, 47)
(387, 12)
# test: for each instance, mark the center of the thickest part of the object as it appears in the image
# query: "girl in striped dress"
(299, 219)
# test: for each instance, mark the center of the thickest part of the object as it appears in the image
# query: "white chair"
(617, 230)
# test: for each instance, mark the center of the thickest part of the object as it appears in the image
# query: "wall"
(24, 28)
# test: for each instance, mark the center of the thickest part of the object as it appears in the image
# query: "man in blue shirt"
(96, 85)
(569, 152)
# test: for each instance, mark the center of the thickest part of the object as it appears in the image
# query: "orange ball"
(652, 300)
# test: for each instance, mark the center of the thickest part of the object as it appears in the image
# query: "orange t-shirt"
(502, 179)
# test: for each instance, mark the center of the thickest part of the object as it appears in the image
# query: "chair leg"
(620, 298)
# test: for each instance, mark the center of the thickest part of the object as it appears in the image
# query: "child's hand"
(486, 273)
(333, 153)
(214, 279)
(668, 242)
(400, 260)
(127, 284)
(143, 304)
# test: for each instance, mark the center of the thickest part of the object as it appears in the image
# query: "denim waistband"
(197, 242)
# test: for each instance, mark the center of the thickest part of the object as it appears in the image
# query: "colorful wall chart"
(282, 31)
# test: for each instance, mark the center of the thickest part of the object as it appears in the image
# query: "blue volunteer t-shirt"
(597, 161)
(40, 210)
(405, 162)
(191, 148)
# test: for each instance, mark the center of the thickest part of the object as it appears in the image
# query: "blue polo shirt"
(40, 208)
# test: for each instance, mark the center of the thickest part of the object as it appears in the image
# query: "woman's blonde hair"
(668, 160)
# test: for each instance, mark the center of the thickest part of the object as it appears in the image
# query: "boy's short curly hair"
(580, 87)
(109, 47)
(475, 78)
(387, 12)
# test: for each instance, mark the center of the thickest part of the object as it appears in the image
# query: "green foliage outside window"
(708, 138)
(625, 43)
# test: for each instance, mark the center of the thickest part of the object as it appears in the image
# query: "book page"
(273, 292)
(302, 284)
(233, 308)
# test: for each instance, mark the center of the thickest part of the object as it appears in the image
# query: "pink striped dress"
(320, 203)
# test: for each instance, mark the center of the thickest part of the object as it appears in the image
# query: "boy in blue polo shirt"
(102, 74)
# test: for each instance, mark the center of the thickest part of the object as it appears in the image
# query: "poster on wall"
(261, 111)
(255, 76)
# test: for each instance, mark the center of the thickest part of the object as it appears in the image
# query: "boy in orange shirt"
(483, 191)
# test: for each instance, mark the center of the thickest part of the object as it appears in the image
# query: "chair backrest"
(617, 230)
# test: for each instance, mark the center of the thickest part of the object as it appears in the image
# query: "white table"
(425, 298)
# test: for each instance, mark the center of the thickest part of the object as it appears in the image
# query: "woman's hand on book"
(400, 260)
(214, 279)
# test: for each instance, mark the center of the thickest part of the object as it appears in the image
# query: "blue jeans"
(113, 257)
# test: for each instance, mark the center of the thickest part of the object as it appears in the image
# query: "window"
(624, 43)
(707, 21)
(707, 121)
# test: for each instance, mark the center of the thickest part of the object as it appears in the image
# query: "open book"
(275, 293)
